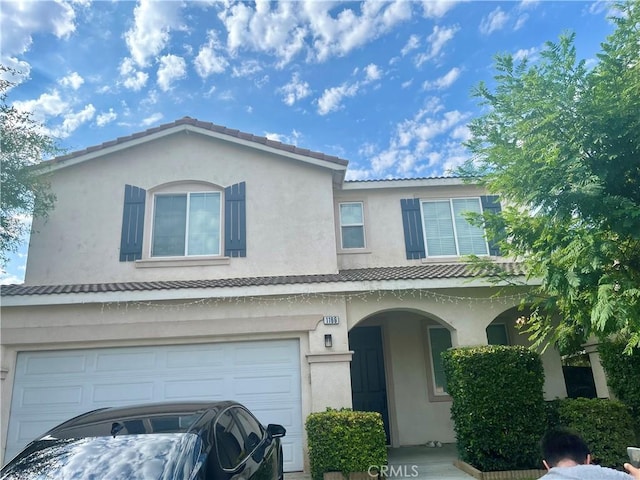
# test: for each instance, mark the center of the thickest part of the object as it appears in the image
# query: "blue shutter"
(412, 223)
(235, 221)
(132, 223)
(491, 204)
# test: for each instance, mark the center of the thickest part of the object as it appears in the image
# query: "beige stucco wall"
(290, 221)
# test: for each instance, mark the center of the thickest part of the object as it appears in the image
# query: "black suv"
(168, 441)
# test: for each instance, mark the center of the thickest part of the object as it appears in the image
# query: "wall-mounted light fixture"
(328, 340)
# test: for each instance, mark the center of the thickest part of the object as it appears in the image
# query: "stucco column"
(599, 376)
(330, 375)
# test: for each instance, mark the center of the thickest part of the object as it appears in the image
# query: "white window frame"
(187, 193)
(364, 233)
(432, 360)
(453, 221)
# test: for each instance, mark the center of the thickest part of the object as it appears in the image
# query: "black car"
(168, 441)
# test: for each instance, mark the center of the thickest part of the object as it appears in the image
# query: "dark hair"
(561, 444)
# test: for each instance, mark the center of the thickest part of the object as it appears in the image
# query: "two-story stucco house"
(191, 261)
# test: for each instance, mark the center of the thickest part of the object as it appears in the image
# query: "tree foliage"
(560, 142)
(25, 190)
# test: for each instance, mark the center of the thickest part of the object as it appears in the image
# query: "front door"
(368, 385)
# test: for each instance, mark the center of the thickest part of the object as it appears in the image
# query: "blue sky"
(383, 84)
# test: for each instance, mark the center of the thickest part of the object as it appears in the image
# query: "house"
(194, 261)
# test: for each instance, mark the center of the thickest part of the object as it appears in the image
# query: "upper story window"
(183, 219)
(438, 228)
(352, 225)
(186, 224)
(447, 232)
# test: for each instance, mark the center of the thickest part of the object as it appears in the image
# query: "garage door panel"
(51, 387)
(52, 364)
(39, 396)
(213, 357)
(120, 392)
(125, 362)
(200, 389)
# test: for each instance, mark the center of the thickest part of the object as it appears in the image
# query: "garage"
(52, 386)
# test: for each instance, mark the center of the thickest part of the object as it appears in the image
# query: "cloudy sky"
(383, 84)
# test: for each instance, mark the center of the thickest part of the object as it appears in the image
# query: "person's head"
(561, 447)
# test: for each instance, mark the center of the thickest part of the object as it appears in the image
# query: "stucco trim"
(329, 357)
(182, 262)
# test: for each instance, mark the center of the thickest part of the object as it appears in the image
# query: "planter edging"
(501, 475)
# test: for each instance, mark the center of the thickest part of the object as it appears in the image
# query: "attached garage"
(52, 386)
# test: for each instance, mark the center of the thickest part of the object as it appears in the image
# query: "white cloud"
(106, 118)
(525, 53)
(133, 79)
(209, 61)
(331, 98)
(522, 19)
(20, 20)
(496, 20)
(372, 73)
(45, 106)
(73, 120)
(437, 8)
(423, 143)
(407, 84)
(150, 33)
(246, 69)
(171, 68)
(73, 80)
(150, 120)
(439, 37)
(443, 82)
(412, 44)
(294, 90)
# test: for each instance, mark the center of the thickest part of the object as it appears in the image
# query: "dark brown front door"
(368, 385)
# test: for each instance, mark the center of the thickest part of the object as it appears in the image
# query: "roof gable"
(338, 165)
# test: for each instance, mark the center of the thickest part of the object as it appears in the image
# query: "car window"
(250, 427)
(229, 441)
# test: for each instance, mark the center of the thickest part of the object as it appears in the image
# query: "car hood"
(161, 456)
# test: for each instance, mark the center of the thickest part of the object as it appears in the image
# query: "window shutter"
(235, 221)
(412, 223)
(132, 223)
(491, 204)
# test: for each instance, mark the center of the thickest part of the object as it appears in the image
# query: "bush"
(623, 376)
(605, 425)
(345, 441)
(498, 405)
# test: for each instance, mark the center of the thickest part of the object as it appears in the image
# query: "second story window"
(352, 225)
(186, 224)
(446, 230)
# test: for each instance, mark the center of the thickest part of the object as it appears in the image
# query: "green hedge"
(345, 441)
(623, 376)
(605, 425)
(498, 405)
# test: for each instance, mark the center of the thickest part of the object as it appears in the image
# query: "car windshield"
(163, 456)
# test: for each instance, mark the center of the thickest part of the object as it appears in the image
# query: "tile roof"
(419, 272)
(188, 121)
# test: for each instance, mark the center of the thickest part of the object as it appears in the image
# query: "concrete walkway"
(424, 463)
(415, 463)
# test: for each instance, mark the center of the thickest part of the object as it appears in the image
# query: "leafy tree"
(561, 144)
(25, 190)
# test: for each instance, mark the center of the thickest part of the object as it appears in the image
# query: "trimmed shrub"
(345, 441)
(623, 376)
(605, 425)
(498, 405)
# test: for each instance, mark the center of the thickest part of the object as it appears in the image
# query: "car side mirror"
(276, 431)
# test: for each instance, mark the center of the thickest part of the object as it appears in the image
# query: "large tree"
(560, 142)
(24, 190)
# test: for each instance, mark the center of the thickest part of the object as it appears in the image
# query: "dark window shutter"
(412, 223)
(491, 204)
(235, 221)
(132, 223)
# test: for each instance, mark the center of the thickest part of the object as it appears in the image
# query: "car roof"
(144, 418)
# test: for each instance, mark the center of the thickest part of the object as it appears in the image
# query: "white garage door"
(53, 386)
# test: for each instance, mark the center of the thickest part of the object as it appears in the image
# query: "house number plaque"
(331, 319)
